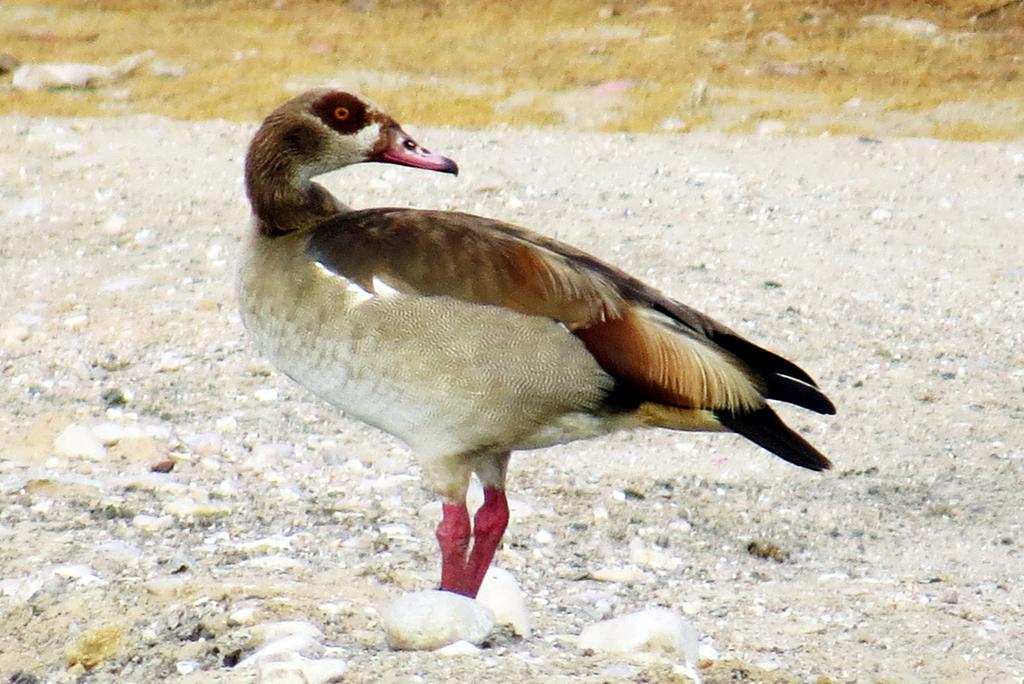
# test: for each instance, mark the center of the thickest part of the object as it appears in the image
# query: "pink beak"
(405, 151)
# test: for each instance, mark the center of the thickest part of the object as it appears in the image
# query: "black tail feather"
(764, 428)
(760, 359)
(800, 393)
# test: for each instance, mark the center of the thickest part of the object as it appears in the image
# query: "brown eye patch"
(343, 112)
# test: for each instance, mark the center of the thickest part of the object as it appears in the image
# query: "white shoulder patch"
(382, 288)
(360, 295)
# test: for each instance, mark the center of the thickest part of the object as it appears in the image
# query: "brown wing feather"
(462, 256)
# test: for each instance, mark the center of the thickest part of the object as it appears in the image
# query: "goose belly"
(442, 375)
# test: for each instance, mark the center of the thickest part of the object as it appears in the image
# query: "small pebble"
(500, 592)
(152, 523)
(94, 646)
(266, 395)
(227, 425)
(114, 225)
(76, 573)
(428, 620)
(771, 127)
(79, 442)
(244, 615)
(76, 322)
(656, 630)
(459, 648)
(14, 333)
(283, 649)
(185, 667)
(881, 215)
(300, 670)
(265, 545)
(276, 563)
(651, 556)
(205, 443)
(623, 575)
(184, 508)
(272, 631)
(170, 362)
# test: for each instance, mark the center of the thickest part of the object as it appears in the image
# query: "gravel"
(167, 495)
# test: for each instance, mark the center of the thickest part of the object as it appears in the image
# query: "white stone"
(266, 394)
(265, 545)
(673, 124)
(170, 362)
(205, 443)
(76, 573)
(75, 322)
(299, 670)
(500, 592)
(109, 433)
(186, 667)
(771, 127)
(184, 508)
(619, 575)
(459, 648)
(913, 27)
(707, 652)
(13, 333)
(651, 556)
(272, 631)
(244, 615)
(776, 39)
(75, 75)
(284, 641)
(79, 442)
(114, 224)
(162, 69)
(881, 215)
(656, 630)
(282, 650)
(428, 620)
(152, 523)
(23, 589)
(691, 672)
(227, 425)
(276, 563)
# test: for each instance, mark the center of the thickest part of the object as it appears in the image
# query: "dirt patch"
(867, 68)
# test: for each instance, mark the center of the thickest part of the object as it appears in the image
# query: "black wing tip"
(764, 428)
(799, 393)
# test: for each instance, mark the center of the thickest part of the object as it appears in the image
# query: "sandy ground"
(892, 271)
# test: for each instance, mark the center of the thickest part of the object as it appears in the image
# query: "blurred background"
(938, 68)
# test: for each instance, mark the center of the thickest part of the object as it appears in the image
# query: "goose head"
(323, 130)
(312, 134)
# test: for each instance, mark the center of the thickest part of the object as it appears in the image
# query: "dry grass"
(239, 58)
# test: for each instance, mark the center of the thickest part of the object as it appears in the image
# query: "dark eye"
(409, 145)
(341, 113)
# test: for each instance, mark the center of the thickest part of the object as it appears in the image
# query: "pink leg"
(488, 528)
(463, 573)
(453, 535)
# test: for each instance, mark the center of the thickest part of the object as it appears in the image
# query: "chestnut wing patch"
(658, 360)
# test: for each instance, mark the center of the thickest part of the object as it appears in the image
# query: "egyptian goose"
(468, 338)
